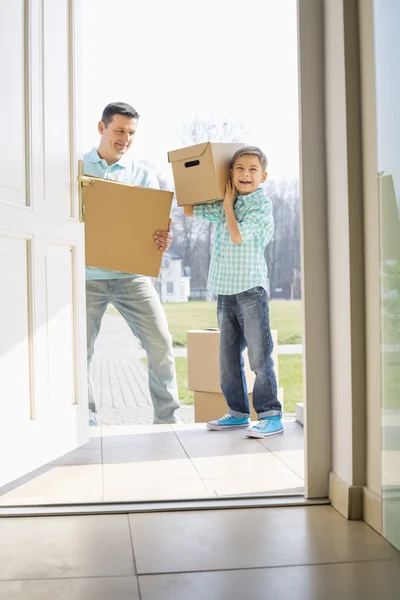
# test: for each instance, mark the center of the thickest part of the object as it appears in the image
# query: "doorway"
(121, 446)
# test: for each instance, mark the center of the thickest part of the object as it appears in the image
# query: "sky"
(175, 59)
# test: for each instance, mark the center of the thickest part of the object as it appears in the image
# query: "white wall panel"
(56, 131)
(15, 381)
(59, 297)
(12, 139)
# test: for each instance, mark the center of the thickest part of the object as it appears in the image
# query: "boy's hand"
(164, 239)
(230, 195)
(188, 210)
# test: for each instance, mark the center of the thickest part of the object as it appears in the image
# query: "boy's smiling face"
(247, 174)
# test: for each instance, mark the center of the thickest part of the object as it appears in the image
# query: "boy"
(238, 274)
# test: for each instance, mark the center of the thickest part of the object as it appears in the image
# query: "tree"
(283, 252)
(208, 129)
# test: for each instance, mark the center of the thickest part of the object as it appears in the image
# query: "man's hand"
(230, 195)
(164, 239)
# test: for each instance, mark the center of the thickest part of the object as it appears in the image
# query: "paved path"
(120, 378)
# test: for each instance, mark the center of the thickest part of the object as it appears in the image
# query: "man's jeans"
(137, 301)
(243, 320)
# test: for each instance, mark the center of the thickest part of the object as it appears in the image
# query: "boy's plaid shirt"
(235, 268)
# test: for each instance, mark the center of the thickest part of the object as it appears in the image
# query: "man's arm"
(188, 210)
(163, 239)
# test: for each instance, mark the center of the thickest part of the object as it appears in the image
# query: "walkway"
(121, 378)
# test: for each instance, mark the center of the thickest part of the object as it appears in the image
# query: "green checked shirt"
(235, 268)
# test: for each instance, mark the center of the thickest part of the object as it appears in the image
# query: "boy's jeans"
(138, 302)
(243, 320)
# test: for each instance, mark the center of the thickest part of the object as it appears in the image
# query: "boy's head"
(249, 169)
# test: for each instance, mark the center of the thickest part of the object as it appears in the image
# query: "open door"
(43, 395)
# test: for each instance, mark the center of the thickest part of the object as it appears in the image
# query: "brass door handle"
(83, 181)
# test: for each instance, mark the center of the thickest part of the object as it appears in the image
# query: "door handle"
(83, 181)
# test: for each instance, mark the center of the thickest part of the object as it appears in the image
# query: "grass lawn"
(391, 381)
(286, 317)
(290, 378)
(185, 395)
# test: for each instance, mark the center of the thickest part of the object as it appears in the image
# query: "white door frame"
(314, 251)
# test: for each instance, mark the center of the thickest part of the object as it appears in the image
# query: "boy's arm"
(230, 217)
(207, 212)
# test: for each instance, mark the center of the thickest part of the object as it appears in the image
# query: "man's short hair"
(250, 150)
(118, 108)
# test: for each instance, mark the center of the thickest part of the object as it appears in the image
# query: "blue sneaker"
(228, 422)
(266, 428)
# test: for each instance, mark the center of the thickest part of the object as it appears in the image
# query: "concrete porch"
(130, 459)
(165, 462)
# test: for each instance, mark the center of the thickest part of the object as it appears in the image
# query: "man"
(132, 295)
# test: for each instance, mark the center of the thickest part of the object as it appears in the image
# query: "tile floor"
(164, 462)
(292, 553)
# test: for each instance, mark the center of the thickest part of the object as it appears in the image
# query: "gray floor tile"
(200, 443)
(289, 441)
(349, 581)
(104, 588)
(80, 456)
(55, 547)
(204, 540)
(142, 448)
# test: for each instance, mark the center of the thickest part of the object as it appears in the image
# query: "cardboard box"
(203, 361)
(201, 172)
(210, 406)
(120, 222)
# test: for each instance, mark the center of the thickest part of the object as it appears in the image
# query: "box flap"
(187, 153)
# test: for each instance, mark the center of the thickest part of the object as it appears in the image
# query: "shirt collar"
(95, 158)
(259, 192)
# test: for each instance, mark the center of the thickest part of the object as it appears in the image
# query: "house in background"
(173, 283)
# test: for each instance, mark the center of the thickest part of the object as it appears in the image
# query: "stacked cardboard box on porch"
(203, 374)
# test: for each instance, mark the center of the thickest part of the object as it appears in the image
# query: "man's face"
(117, 137)
(247, 174)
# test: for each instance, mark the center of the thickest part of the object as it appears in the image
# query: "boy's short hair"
(250, 150)
(118, 108)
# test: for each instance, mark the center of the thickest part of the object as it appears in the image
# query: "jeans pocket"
(255, 291)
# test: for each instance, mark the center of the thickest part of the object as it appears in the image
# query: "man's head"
(117, 129)
(249, 169)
